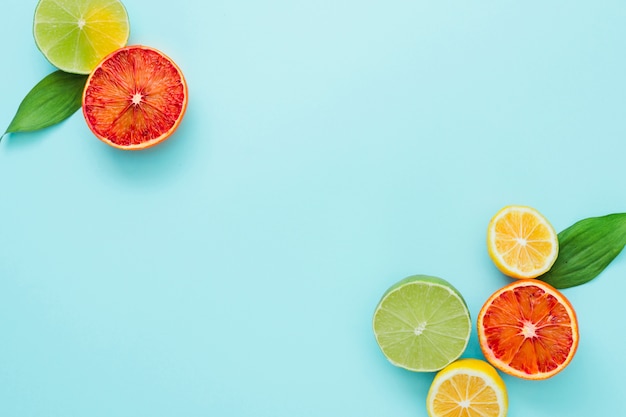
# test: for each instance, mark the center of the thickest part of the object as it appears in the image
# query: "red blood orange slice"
(528, 329)
(135, 98)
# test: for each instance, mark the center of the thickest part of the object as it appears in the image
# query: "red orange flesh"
(528, 329)
(135, 98)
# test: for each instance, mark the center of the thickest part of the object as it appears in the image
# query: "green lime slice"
(422, 324)
(74, 35)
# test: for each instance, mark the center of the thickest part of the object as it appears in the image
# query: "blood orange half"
(135, 98)
(528, 329)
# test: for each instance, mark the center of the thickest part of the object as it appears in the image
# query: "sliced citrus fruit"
(521, 242)
(74, 35)
(467, 388)
(422, 323)
(528, 329)
(135, 98)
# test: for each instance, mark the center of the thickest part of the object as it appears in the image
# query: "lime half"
(74, 35)
(422, 324)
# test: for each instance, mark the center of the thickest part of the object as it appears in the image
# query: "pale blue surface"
(330, 148)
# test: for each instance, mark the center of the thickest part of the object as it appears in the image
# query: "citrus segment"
(74, 35)
(528, 329)
(422, 323)
(135, 98)
(467, 388)
(521, 242)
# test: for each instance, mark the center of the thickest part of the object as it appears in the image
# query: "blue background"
(330, 148)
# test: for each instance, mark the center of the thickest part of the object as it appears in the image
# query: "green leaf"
(52, 100)
(585, 249)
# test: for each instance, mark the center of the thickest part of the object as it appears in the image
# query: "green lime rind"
(75, 35)
(422, 323)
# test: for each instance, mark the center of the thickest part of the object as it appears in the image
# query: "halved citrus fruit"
(521, 242)
(467, 388)
(422, 323)
(135, 98)
(528, 329)
(74, 35)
